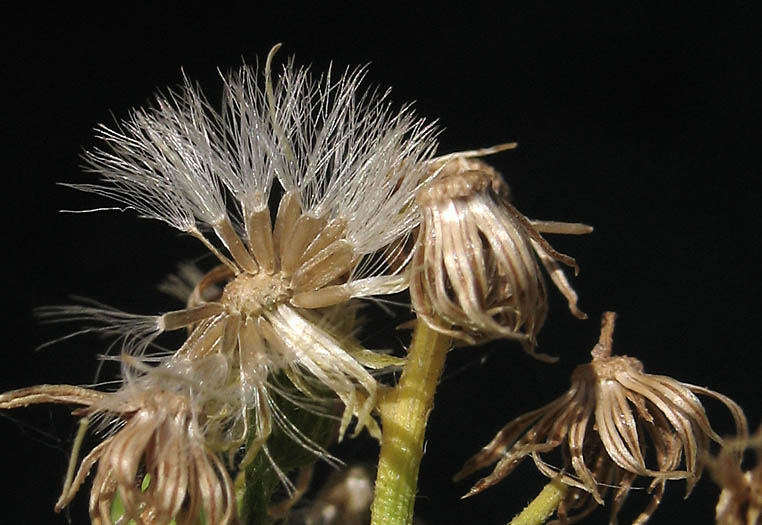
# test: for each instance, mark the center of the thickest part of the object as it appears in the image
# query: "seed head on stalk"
(348, 167)
(603, 426)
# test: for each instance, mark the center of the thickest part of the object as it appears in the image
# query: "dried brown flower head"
(155, 459)
(474, 272)
(740, 501)
(604, 425)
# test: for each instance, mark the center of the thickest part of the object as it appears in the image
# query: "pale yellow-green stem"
(404, 412)
(543, 506)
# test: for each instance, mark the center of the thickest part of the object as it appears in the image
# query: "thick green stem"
(404, 412)
(543, 506)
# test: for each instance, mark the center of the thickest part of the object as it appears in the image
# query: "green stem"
(404, 412)
(543, 506)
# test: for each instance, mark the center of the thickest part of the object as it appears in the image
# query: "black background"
(640, 119)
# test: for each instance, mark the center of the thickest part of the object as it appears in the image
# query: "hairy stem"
(543, 506)
(404, 412)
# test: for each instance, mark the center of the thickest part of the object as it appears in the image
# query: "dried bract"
(604, 425)
(740, 501)
(155, 458)
(474, 273)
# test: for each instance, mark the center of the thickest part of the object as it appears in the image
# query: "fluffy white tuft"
(343, 151)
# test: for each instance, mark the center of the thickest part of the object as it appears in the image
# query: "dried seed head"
(348, 167)
(474, 273)
(155, 460)
(612, 414)
(740, 501)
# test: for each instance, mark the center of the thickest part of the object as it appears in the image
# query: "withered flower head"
(155, 459)
(474, 273)
(740, 501)
(604, 426)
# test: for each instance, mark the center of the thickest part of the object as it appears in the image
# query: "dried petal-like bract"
(475, 274)
(612, 414)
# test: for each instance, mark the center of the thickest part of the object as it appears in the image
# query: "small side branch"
(543, 506)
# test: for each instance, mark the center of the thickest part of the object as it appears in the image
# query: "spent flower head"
(475, 273)
(604, 426)
(154, 458)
